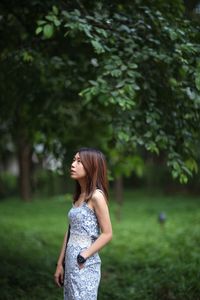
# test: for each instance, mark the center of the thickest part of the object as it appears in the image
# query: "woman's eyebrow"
(76, 157)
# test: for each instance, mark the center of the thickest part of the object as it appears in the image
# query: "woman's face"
(77, 169)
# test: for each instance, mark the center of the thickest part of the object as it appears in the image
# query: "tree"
(38, 96)
(147, 74)
(127, 71)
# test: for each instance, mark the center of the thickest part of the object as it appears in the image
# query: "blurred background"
(123, 77)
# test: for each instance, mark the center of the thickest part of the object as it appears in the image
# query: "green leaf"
(123, 136)
(41, 22)
(38, 30)
(50, 18)
(192, 165)
(151, 146)
(132, 66)
(197, 81)
(55, 10)
(116, 73)
(175, 174)
(48, 30)
(97, 46)
(27, 57)
(56, 22)
(183, 179)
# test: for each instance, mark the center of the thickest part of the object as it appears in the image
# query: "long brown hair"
(95, 167)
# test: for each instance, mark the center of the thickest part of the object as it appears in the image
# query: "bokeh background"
(123, 77)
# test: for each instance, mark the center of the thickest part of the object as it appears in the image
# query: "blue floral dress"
(82, 284)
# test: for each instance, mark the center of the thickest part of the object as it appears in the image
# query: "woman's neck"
(83, 186)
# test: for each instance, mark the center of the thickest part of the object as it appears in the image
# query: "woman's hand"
(59, 275)
(83, 254)
(81, 266)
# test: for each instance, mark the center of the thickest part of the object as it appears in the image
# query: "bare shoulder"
(98, 198)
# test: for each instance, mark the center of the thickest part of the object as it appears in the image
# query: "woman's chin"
(73, 176)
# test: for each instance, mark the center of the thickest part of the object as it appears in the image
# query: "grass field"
(143, 262)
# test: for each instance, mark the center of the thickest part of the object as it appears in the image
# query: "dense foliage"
(120, 76)
(147, 74)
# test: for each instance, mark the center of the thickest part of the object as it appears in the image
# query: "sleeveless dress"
(82, 284)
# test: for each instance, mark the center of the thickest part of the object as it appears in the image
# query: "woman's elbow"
(109, 236)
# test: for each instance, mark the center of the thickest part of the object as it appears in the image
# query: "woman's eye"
(76, 159)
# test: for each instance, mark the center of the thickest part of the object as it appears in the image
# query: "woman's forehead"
(77, 155)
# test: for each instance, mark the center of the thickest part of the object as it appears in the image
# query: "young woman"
(89, 230)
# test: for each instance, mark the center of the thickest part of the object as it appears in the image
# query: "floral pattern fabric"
(82, 284)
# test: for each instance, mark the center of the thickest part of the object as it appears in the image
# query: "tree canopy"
(146, 81)
(123, 76)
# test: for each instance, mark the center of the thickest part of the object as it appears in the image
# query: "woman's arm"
(99, 205)
(62, 252)
(59, 273)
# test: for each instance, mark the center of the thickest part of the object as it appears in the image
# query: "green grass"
(143, 261)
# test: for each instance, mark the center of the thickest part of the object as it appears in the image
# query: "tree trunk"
(24, 161)
(118, 190)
